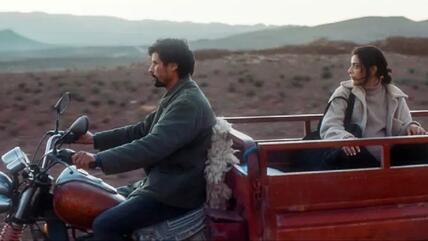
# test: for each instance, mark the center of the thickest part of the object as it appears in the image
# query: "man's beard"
(158, 83)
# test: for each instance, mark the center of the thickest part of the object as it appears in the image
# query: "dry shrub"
(205, 54)
(403, 45)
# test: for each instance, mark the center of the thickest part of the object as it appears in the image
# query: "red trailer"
(381, 203)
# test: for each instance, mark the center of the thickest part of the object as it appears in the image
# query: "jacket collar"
(393, 90)
(181, 83)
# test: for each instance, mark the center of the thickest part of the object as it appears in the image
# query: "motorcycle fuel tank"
(79, 197)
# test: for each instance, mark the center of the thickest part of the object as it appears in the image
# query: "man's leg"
(57, 231)
(117, 223)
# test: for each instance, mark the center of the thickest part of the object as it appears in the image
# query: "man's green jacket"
(170, 144)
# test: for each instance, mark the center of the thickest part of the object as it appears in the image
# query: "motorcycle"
(64, 208)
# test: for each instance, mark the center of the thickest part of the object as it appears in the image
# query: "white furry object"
(220, 160)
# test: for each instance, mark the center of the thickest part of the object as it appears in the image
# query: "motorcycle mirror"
(63, 102)
(80, 126)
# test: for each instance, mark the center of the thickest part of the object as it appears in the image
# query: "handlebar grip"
(65, 155)
(70, 138)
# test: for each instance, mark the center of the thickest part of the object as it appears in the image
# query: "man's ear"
(173, 66)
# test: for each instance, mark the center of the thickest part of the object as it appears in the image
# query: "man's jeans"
(118, 223)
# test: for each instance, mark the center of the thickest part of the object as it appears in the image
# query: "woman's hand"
(414, 129)
(351, 150)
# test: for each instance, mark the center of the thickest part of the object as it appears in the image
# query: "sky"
(270, 12)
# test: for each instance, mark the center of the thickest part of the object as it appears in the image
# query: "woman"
(380, 109)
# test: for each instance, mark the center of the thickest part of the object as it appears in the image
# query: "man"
(380, 108)
(170, 144)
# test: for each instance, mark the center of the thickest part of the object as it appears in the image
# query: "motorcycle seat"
(179, 228)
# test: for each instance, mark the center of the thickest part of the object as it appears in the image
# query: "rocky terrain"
(237, 83)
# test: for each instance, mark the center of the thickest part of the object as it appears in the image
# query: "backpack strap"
(348, 112)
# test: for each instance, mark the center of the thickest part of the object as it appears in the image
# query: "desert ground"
(237, 84)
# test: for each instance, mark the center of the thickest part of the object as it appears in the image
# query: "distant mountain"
(113, 52)
(360, 30)
(11, 41)
(110, 31)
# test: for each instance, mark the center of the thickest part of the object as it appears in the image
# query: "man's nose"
(150, 70)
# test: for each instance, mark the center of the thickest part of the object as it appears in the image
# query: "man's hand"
(414, 129)
(351, 150)
(84, 160)
(87, 138)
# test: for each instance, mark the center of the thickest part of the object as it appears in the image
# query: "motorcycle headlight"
(5, 203)
(15, 160)
(6, 186)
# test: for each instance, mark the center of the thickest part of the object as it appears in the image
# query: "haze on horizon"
(270, 12)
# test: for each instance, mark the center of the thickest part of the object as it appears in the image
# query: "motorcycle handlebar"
(70, 138)
(65, 155)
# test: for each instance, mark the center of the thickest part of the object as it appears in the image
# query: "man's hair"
(373, 56)
(175, 51)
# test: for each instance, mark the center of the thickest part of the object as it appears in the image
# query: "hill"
(75, 52)
(12, 41)
(360, 30)
(62, 29)
(400, 45)
(66, 29)
(108, 57)
(19, 54)
(70, 58)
